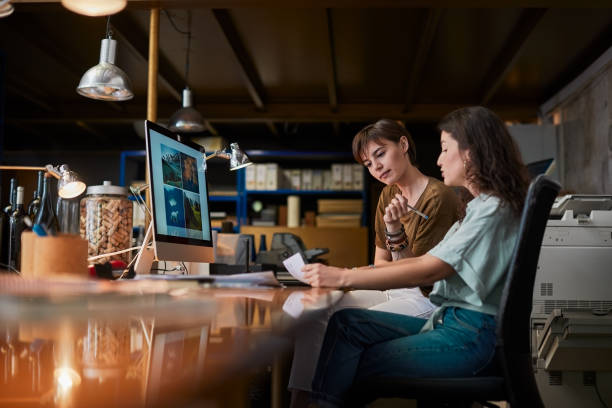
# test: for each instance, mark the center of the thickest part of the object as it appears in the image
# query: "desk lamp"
(69, 185)
(237, 158)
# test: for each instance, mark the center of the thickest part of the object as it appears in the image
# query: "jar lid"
(107, 188)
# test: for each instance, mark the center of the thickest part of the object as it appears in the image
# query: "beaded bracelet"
(396, 246)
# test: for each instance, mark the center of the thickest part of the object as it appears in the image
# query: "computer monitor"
(179, 197)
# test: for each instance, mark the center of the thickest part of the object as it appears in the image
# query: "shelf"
(221, 198)
(304, 192)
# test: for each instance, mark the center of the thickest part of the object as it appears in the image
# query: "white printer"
(571, 325)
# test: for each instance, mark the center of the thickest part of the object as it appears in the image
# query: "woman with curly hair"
(467, 269)
(388, 151)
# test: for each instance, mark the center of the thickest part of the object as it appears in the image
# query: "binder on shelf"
(296, 182)
(285, 181)
(357, 177)
(307, 179)
(347, 177)
(336, 176)
(271, 176)
(250, 176)
(260, 177)
(317, 179)
(327, 180)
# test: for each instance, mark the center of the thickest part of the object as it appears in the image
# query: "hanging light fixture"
(187, 119)
(95, 8)
(106, 81)
(6, 8)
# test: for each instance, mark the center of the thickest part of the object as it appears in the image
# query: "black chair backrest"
(517, 298)
(513, 331)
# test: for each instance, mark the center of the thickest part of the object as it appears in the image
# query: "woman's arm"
(420, 271)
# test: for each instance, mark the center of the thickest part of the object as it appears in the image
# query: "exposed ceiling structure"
(273, 74)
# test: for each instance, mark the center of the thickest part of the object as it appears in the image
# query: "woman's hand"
(323, 276)
(396, 209)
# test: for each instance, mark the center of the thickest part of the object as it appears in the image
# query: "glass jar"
(106, 221)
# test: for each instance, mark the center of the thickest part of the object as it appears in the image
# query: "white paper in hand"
(294, 266)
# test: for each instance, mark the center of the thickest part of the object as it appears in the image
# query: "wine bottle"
(16, 227)
(46, 214)
(35, 203)
(8, 209)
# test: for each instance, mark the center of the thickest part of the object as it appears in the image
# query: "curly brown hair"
(384, 129)
(495, 165)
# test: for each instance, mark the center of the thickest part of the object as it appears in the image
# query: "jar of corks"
(106, 221)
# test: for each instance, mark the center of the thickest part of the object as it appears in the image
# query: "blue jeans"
(364, 343)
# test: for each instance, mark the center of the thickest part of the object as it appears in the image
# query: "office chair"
(512, 377)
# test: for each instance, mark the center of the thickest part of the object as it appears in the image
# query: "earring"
(464, 164)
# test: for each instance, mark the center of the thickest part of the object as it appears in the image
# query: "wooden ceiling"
(292, 74)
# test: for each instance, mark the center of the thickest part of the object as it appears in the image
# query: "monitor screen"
(179, 197)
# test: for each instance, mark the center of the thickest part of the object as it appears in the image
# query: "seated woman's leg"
(367, 344)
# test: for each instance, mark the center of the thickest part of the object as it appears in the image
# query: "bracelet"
(395, 234)
(395, 240)
(397, 246)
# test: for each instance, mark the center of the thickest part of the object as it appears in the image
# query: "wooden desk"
(133, 345)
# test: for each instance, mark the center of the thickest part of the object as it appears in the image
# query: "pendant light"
(106, 81)
(95, 8)
(6, 8)
(187, 119)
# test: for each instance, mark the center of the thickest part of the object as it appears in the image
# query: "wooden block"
(49, 256)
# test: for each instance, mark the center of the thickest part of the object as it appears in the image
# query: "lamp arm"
(49, 169)
(219, 153)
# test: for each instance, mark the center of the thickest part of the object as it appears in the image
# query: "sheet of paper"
(293, 306)
(294, 266)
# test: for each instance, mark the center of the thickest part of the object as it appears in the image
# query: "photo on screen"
(171, 166)
(193, 215)
(175, 213)
(190, 173)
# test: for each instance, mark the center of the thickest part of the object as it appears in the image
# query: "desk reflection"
(173, 347)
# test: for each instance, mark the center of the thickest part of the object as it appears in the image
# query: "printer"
(571, 320)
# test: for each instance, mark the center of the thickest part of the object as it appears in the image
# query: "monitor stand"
(146, 255)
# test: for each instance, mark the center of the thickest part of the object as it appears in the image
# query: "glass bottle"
(8, 209)
(35, 203)
(46, 214)
(16, 227)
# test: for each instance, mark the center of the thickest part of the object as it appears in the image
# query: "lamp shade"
(186, 119)
(95, 8)
(106, 81)
(6, 8)
(238, 158)
(69, 184)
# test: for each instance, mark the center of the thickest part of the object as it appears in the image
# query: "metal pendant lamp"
(187, 119)
(95, 8)
(106, 81)
(6, 8)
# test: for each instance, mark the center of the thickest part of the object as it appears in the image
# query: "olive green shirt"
(439, 202)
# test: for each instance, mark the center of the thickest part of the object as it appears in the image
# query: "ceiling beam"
(125, 27)
(430, 28)
(45, 45)
(28, 94)
(509, 53)
(330, 50)
(99, 136)
(247, 68)
(287, 112)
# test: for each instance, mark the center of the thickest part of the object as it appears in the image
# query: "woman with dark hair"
(387, 150)
(467, 269)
